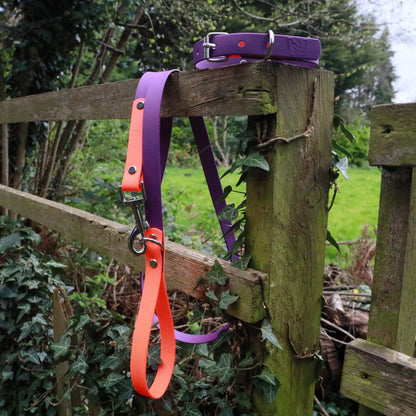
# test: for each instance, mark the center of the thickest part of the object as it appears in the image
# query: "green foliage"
(27, 280)
(336, 405)
(97, 346)
(215, 378)
(40, 47)
(349, 215)
(356, 149)
(214, 285)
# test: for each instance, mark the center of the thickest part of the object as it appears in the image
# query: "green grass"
(191, 215)
(356, 205)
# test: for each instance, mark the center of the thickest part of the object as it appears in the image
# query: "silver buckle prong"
(207, 45)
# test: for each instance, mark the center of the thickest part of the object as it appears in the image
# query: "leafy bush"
(357, 149)
(27, 280)
(216, 378)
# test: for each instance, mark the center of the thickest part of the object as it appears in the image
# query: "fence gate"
(380, 373)
(290, 109)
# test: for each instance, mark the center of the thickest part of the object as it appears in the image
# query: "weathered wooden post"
(286, 228)
(392, 314)
(62, 311)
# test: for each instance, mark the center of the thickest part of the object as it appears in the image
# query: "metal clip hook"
(141, 225)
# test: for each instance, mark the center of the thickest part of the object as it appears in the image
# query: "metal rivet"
(132, 170)
(140, 105)
(153, 263)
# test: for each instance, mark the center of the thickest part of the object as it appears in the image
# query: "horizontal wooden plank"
(184, 266)
(232, 91)
(380, 378)
(393, 135)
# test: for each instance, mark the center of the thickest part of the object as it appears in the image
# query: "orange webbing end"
(154, 300)
(133, 170)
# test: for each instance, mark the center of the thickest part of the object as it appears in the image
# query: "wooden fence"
(380, 373)
(290, 108)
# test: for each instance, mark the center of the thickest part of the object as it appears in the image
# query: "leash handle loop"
(154, 299)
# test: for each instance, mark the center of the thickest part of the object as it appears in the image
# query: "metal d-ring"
(137, 231)
(271, 44)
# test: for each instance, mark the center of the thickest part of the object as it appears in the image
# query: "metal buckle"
(208, 45)
(271, 44)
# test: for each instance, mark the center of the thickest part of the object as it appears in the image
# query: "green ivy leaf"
(81, 321)
(7, 375)
(267, 334)
(8, 293)
(112, 380)
(61, 348)
(111, 362)
(222, 370)
(216, 275)
(337, 120)
(227, 190)
(10, 241)
(228, 213)
(191, 409)
(80, 366)
(31, 284)
(268, 384)
(256, 160)
(332, 241)
(31, 356)
(39, 319)
(226, 411)
(153, 356)
(54, 264)
(27, 329)
(166, 403)
(341, 149)
(227, 299)
(347, 133)
(210, 294)
(99, 354)
(242, 262)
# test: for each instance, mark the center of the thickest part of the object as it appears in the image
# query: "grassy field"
(356, 205)
(191, 213)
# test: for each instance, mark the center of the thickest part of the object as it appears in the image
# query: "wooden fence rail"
(392, 316)
(109, 238)
(291, 109)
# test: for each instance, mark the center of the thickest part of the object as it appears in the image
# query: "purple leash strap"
(156, 141)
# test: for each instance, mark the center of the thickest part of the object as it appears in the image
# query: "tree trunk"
(74, 130)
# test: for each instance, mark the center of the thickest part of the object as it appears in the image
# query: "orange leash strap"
(133, 170)
(154, 296)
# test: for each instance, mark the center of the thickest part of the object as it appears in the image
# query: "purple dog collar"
(223, 49)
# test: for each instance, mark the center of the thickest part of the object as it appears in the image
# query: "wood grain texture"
(393, 135)
(286, 230)
(392, 322)
(61, 312)
(381, 378)
(234, 90)
(184, 266)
